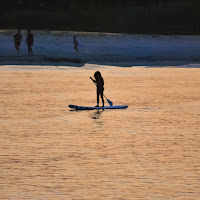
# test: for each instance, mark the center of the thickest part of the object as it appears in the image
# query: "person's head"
(19, 30)
(74, 37)
(97, 75)
(29, 30)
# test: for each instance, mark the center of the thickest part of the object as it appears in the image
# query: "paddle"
(110, 102)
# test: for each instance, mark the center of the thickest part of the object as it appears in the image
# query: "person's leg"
(76, 48)
(102, 99)
(18, 47)
(29, 49)
(97, 99)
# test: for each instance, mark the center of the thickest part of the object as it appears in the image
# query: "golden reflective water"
(149, 151)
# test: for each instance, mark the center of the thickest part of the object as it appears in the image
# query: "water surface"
(148, 151)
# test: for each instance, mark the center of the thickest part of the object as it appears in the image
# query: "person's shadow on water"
(97, 114)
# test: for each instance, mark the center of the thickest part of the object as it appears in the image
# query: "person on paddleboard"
(100, 86)
(29, 41)
(75, 44)
(17, 40)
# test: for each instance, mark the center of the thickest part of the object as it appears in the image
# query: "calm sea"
(150, 151)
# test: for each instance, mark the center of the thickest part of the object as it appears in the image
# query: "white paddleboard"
(98, 108)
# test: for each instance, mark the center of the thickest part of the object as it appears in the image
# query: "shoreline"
(24, 29)
(88, 66)
(178, 33)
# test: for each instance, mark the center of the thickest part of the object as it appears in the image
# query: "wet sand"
(149, 151)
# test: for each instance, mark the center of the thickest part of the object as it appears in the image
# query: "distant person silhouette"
(29, 41)
(17, 40)
(100, 86)
(76, 44)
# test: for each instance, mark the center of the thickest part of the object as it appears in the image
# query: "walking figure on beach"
(17, 40)
(76, 44)
(29, 41)
(99, 82)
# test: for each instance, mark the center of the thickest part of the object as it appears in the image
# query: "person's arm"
(93, 80)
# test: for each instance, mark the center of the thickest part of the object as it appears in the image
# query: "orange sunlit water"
(148, 151)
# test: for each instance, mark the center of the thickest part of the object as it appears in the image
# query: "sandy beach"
(149, 151)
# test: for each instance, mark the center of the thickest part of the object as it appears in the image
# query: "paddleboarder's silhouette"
(100, 86)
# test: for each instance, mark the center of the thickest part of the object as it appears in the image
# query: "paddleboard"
(98, 108)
